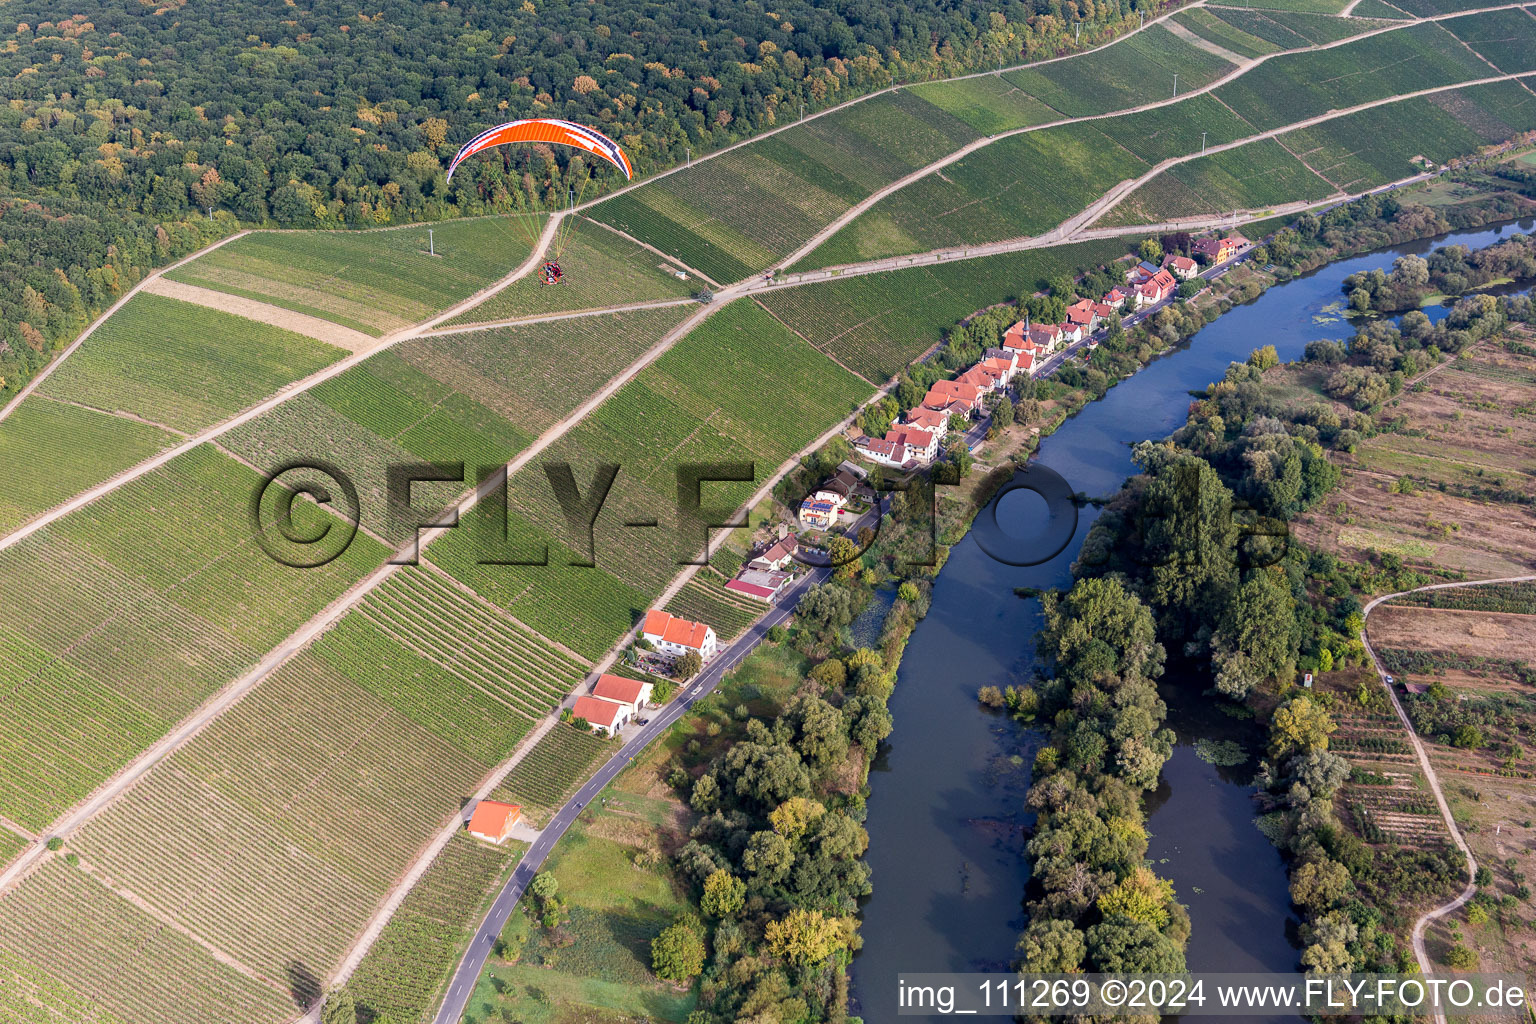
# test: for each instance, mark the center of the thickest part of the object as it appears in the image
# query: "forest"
(134, 133)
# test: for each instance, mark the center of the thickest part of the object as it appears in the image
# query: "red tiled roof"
(493, 818)
(656, 622)
(751, 589)
(926, 418)
(617, 688)
(1081, 312)
(911, 437)
(879, 446)
(675, 630)
(1026, 360)
(1180, 263)
(787, 545)
(1013, 334)
(597, 711)
(999, 366)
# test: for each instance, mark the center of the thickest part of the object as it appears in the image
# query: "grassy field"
(1503, 37)
(739, 388)
(1293, 87)
(1019, 186)
(988, 104)
(52, 451)
(552, 770)
(1128, 73)
(183, 365)
(277, 830)
(479, 398)
(371, 281)
(595, 965)
(601, 269)
(72, 945)
(738, 213)
(878, 323)
(1251, 177)
(414, 957)
(122, 617)
(705, 599)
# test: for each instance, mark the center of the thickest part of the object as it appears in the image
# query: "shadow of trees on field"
(303, 984)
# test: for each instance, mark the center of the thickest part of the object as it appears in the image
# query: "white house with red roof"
(632, 693)
(1116, 297)
(1071, 333)
(1181, 267)
(887, 453)
(675, 637)
(607, 716)
(758, 584)
(985, 379)
(921, 445)
(494, 821)
(1028, 364)
(777, 555)
(1156, 288)
(1084, 313)
(1005, 368)
(931, 420)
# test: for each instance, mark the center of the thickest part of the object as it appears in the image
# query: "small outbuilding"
(493, 820)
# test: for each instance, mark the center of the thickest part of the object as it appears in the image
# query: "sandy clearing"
(300, 323)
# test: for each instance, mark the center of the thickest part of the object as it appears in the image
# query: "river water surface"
(946, 808)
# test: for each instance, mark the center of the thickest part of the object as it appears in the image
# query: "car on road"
(1390, 680)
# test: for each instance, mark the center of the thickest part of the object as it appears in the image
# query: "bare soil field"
(1455, 631)
(266, 313)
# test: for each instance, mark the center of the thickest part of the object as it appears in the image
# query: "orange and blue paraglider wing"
(550, 130)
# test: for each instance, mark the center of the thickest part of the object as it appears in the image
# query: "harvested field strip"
(1455, 633)
(52, 451)
(71, 942)
(183, 365)
(552, 770)
(414, 957)
(265, 832)
(370, 281)
(159, 583)
(1210, 25)
(705, 599)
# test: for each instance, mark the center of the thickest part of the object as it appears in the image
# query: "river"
(946, 808)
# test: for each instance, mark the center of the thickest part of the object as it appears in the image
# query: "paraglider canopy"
(553, 130)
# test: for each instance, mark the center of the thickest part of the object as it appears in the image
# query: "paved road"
(463, 984)
(1419, 926)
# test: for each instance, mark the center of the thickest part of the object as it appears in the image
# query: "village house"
(931, 420)
(1004, 367)
(1181, 267)
(1116, 297)
(632, 693)
(984, 379)
(675, 637)
(1015, 334)
(1085, 314)
(1028, 364)
(1141, 272)
(887, 453)
(760, 585)
(820, 509)
(920, 444)
(1156, 288)
(605, 716)
(778, 555)
(817, 515)
(493, 820)
(1071, 333)
(1219, 250)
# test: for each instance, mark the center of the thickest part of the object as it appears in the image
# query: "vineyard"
(602, 268)
(876, 324)
(276, 831)
(1390, 142)
(183, 365)
(69, 943)
(738, 389)
(1513, 598)
(989, 104)
(1225, 33)
(1386, 799)
(52, 451)
(1164, 132)
(159, 584)
(414, 957)
(1295, 86)
(738, 213)
(455, 667)
(705, 599)
(1292, 30)
(552, 770)
(370, 281)
(1019, 186)
(1304, 6)
(1502, 37)
(1250, 177)
(1128, 73)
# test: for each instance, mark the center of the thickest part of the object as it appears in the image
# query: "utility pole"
(1078, 37)
(688, 150)
(802, 110)
(431, 245)
(210, 213)
(1202, 143)
(1175, 83)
